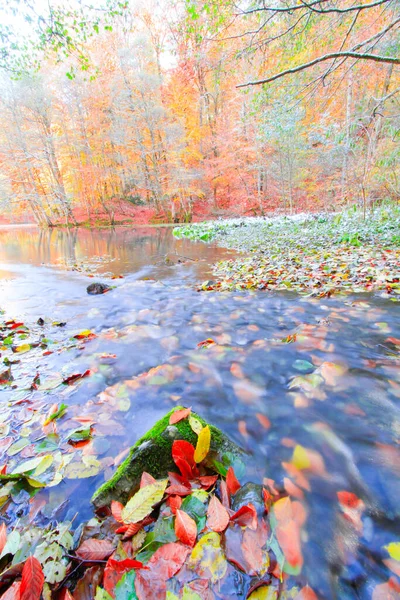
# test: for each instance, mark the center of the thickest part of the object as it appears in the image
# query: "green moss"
(152, 453)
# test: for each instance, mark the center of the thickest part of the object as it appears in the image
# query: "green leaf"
(125, 588)
(141, 504)
(12, 544)
(79, 435)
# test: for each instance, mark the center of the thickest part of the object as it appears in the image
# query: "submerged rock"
(153, 453)
(249, 493)
(97, 288)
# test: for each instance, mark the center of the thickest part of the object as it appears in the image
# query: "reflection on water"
(309, 388)
(119, 250)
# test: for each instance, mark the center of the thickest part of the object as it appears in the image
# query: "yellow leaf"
(394, 550)
(141, 504)
(208, 559)
(265, 592)
(22, 348)
(300, 458)
(203, 444)
(195, 424)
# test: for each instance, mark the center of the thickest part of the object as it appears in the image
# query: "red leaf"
(146, 479)
(246, 516)
(72, 378)
(32, 580)
(183, 455)
(179, 415)
(174, 502)
(217, 515)
(122, 529)
(3, 536)
(205, 343)
(348, 499)
(116, 509)
(95, 549)
(65, 594)
(179, 485)
(207, 481)
(288, 536)
(267, 499)
(252, 545)
(167, 560)
(185, 528)
(306, 593)
(133, 528)
(223, 490)
(13, 592)
(232, 482)
(184, 450)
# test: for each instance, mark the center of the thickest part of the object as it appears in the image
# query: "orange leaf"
(95, 549)
(217, 515)
(32, 580)
(185, 528)
(232, 482)
(146, 479)
(179, 415)
(116, 509)
(174, 502)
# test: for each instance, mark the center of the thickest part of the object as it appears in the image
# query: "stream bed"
(310, 388)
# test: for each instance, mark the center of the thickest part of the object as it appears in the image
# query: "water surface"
(284, 372)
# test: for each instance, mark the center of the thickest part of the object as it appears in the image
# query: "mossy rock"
(153, 453)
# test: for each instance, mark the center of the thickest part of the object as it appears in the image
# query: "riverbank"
(319, 255)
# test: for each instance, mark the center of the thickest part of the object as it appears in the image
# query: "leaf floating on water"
(300, 458)
(203, 444)
(86, 334)
(72, 378)
(22, 348)
(79, 435)
(264, 592)
(89, 467)
(179, 415)
(394, 550)
(32, 580)
(208, 559)
(57, 414)
(206, 343)
(93, 549)
(141, 504)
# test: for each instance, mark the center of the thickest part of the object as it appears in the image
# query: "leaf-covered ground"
(311, 254)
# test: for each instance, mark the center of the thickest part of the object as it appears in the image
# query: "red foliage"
(231, 481)
(185, 528)
(32, 580)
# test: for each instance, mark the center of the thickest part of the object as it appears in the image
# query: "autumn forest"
(157, 112)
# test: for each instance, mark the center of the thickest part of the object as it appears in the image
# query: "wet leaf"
(125, 588)
(208, 559)
(3, 536)
(231, 481)
(93, 549)
(32, 580)
(217, 515)
(22, 348)
(203, 444)
(185, 528)
(141, 504)
(179, 415)
(12, 543)
(394, 550)
(246, 516)
(195, 424)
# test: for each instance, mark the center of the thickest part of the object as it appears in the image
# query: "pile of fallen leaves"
(317, 255)
(178, 537)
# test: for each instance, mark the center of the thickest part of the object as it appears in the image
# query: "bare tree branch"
(373, 57)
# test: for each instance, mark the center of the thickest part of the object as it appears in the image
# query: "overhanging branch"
(358, 55)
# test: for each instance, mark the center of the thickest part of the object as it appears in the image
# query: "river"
(285, 372)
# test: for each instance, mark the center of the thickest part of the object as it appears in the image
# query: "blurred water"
(284, 372)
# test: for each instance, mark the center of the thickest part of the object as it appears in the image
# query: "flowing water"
(310, 388)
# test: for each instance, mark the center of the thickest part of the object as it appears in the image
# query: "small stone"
(249, 493)
(97, 288)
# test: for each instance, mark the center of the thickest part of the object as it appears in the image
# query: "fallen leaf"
(179, 415)
(203, 444)
(141, 504)
(185, 528)
(217, 515)
(94, 549)
(32, 580)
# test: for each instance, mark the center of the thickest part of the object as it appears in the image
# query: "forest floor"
(310, 254)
